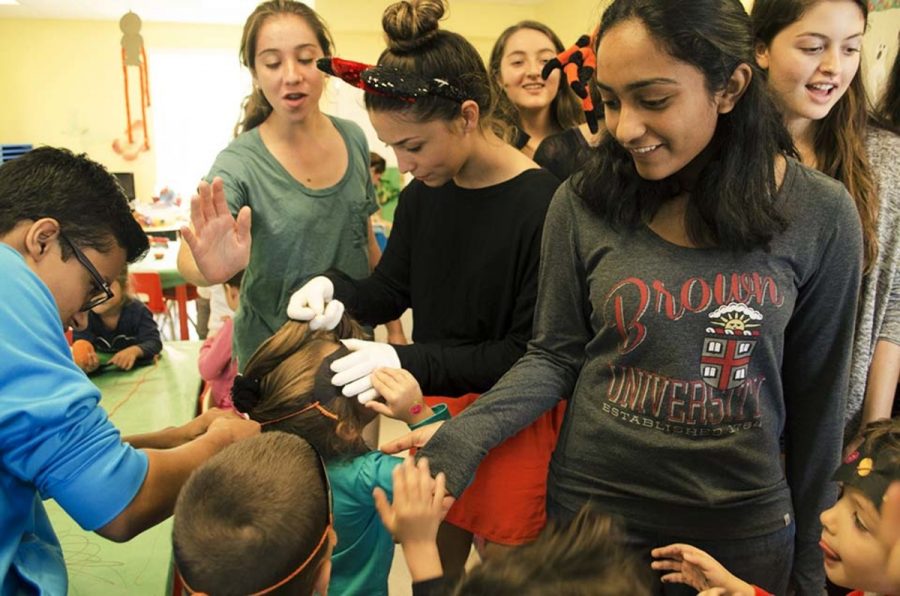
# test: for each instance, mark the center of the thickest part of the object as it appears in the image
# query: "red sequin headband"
(391, 82)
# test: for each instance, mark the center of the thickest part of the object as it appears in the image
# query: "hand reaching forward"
(219, 242)
(696, 568)
(414, 516)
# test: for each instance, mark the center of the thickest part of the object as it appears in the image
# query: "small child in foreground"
(286, 386)
(254, 519)
(582, 558)
(857, 536)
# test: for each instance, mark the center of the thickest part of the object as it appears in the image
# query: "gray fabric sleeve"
(815, 370)
(544, 375)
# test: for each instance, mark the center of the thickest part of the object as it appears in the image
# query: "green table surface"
(141, 400)
(162, 260)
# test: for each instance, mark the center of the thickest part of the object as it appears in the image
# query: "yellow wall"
(62, 80)
(63, 85)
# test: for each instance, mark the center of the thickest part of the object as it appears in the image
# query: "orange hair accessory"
(578, 64)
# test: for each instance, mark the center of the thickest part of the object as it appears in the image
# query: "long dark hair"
(256, 108)
(840, 137)
(732, 205)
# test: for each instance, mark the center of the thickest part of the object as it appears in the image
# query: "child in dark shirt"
(123, 327)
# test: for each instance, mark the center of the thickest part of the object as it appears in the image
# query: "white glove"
(313, 302)
(354, 370)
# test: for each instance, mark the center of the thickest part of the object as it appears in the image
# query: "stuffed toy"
(82, 350)
(578, 64)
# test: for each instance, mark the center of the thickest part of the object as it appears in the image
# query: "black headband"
(245, 392)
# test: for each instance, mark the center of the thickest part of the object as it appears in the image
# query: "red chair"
(148, 289)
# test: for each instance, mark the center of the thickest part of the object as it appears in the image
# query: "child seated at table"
(256, 518)
(123, 327)
(287, 386)
(217, 365)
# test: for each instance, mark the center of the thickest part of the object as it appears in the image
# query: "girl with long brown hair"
(286, 386)
(810, 50)
(532, 107)
(304, 174)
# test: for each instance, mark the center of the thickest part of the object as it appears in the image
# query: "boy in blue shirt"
(65, 232)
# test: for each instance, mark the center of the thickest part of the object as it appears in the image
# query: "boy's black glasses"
(104, 292)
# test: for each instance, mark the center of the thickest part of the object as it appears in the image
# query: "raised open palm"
(219, 242)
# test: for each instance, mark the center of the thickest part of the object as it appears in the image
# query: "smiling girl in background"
(811, 52)
(533, 107)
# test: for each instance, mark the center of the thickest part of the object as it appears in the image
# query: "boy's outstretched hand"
(414, 516)
(219, 242)
(689, 565)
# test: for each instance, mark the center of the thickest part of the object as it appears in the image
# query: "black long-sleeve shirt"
(466, 262)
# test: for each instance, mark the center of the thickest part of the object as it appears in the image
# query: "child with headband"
(286, 386)
(270, 496)
(857, 538)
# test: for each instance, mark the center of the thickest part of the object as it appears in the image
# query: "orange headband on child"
(327, 485)
(246, 391)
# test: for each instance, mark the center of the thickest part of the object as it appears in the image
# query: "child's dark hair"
(732, 205)
(417, 45)
(377, 163)
(251, 515)
(883, 437)
(86, 200)
(585, 557)
(256, 108)
(285, 368)
(235, 280)
(840, 137)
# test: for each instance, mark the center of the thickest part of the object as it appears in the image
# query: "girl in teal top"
(303, 174)
(286, 386)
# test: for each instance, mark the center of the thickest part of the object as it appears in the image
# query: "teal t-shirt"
(362, 557)
(298, 232)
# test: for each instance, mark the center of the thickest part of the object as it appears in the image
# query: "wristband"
(440, 413)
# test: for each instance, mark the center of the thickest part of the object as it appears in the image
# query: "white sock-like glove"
(354, 370)
(313, 302)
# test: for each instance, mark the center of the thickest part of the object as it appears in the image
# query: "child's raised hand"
(417, 510)
(219, 242)
(691, 566)
(414, 516)
(126, 358)
(401, 393)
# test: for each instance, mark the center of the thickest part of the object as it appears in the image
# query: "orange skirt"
(506, 502)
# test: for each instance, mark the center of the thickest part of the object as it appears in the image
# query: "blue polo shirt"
(55, 441)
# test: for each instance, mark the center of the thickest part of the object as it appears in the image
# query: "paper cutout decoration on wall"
(133, 54)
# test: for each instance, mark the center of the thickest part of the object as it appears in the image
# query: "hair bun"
(410, 24)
